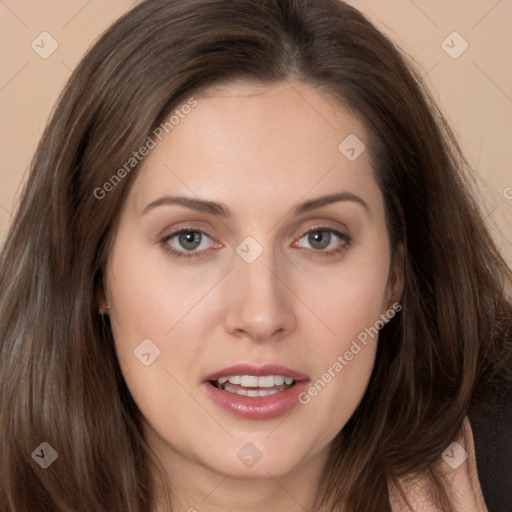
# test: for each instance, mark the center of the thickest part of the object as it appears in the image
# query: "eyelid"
(320, 226)
(187, 254)
(326, 226)
(341, 232)
(345, 238)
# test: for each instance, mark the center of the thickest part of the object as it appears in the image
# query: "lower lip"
(259, 407)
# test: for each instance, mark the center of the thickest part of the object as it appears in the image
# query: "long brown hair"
(60, 381)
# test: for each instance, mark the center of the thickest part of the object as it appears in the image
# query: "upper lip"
(257, 371)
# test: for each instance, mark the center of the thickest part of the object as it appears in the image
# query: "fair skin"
(461, 482)
(261, 151)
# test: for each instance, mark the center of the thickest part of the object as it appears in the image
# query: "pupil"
(319, 239)
(190, 240)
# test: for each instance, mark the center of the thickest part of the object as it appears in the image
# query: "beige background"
(474, 90)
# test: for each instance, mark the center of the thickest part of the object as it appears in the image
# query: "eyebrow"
(221, 210)
(333, 198)
(200, 205)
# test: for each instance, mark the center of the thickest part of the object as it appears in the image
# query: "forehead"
(256, 143)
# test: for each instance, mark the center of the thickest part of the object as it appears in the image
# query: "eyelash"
(347, 240)
(182, 254)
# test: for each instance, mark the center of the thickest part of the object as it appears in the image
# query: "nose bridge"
(259, 280)
(259, 305)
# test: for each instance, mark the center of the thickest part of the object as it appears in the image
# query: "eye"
(189, 241)
(325, 240)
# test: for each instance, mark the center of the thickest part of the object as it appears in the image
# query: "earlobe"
(103, 308)
(395, 285)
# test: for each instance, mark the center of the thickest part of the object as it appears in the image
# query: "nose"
(260, 305)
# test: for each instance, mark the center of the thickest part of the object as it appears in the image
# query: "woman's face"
(280, 274)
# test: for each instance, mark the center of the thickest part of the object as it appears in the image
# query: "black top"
(490, 416)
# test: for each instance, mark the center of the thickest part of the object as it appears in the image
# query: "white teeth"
(251, 392)
(249, 381)
(252, 381)
(278, 380)
(266, 382)
(267, 392)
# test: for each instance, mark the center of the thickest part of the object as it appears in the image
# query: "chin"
(261, 456)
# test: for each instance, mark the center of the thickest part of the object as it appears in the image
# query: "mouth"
(256, 392)
(254, 386)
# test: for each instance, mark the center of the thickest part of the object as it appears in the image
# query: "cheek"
(151, 294)
(344, 359)
(159, 309)
(156, 317)
(350, 296)
(348, 304)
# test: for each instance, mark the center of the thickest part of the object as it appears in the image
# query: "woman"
(246, 274)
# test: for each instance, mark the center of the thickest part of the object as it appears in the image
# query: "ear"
(395, 284)
(102, 303)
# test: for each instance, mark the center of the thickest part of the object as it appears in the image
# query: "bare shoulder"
(459, 469)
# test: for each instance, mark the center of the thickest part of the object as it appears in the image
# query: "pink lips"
(256, 408)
